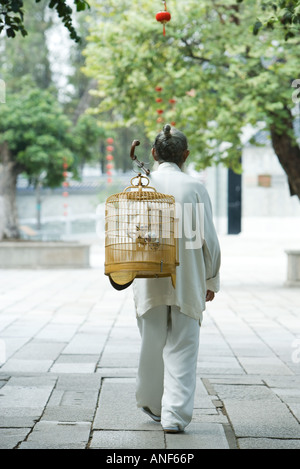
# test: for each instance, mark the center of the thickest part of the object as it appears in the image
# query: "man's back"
(199, 253)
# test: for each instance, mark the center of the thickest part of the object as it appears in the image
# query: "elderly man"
(169, 319)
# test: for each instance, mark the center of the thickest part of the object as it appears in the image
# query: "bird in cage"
(152, 239)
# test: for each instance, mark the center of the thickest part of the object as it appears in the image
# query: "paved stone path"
(69, 347)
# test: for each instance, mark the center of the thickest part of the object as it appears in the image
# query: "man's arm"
(211, 248)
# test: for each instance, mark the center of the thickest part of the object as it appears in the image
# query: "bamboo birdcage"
(140, 238)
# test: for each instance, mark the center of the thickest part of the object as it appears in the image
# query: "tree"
(284, 14)
(86, 140)
(36, 132)
(27, 58)
(12, 16)
(221, 77)
(35, 140)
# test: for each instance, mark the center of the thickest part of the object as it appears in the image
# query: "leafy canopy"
(37, 134)
(40, 137)
(12, 15)
(284, 14)
(220, 75)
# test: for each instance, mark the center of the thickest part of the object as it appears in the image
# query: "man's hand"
(210, 295)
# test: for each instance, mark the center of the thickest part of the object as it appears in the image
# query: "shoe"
(172, 430)
(154, 417)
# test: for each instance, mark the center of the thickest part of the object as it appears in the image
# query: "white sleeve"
(211, 247)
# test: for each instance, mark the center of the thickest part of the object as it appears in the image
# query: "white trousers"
(166, 379)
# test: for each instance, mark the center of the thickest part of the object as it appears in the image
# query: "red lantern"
(110, 148)
(65, 194)
(65, 165)
(109, 166)
(159, 120)
(163, 17)
(173, 124)
(158, 89)
(109, 180)
(109, 157)
(172, 101)
(110, 140)
(160, 111)
(159, 100)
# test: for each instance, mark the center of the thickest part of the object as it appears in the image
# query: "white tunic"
(199, 261)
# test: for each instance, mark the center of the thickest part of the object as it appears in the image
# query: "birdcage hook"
(134, 158)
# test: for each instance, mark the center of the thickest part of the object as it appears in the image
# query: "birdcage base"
(118, 286)
(122, 278)
(123, 274)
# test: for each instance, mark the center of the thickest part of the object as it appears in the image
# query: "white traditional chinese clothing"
(169, 318)
(199, 262)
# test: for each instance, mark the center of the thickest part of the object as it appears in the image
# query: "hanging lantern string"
(160, 112)
(164, 17)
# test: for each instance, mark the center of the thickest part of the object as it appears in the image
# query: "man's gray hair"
(170, 145)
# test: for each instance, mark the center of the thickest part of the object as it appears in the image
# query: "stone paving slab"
(19, 417)
(75, 364)
(43, 350)
(199, 436)
(11, 437)
(267, 443)
(87, 343)
(255, 411)
(114, 372)
(117, 407)
(127, 440)
(32, 366)
(78, 382)
(21, 396)
(57, 435)
(265, 366)
(71, 406)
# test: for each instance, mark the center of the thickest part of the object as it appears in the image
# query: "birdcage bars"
(140, 234)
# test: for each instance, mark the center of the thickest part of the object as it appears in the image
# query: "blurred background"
(73, 107)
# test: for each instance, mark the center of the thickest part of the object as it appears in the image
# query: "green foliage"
(40, 137)
(222, 78)
(27, 58)
(284, 14)
(85, 139)
(37, 133)
(12, 16)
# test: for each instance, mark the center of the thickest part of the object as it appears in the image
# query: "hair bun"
(167, 131)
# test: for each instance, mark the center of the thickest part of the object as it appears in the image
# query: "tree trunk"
(8, 206)
(288, 152)
(85, 101)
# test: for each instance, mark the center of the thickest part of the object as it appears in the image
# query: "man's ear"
(186, 155)
(153, 151)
